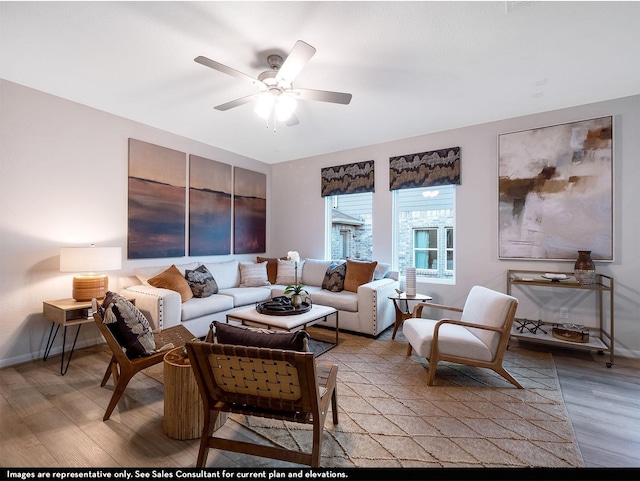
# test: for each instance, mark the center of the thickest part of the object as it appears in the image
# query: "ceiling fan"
(276, 97)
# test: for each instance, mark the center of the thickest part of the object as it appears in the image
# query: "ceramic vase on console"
(584, 268)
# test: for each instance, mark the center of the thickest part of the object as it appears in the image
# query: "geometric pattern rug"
(470, 417)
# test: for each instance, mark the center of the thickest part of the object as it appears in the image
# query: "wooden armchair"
(271, 383)
(479, 338)
(122, 368)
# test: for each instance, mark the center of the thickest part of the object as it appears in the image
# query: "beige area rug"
(471, 417)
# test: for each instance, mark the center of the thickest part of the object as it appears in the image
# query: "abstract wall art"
(157, 201)
(209, 207)
(556, 191)
(249, 211)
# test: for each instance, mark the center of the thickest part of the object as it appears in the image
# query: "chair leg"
(431, 376)
(110, 368)
(409, 349)
(117, 393)
(334, 406)
(207, 432)
(505, 374)
(317, 442)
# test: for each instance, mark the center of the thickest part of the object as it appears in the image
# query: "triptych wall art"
(556, 191)
(158, 204)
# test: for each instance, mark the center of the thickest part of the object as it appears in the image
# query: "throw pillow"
(247, 336)
(381, 271)
(128, 325)
(272, 267)
(201, 282)
(358, 273)
(173, 279)
(287, 271)
(253, 274)
(334, 277)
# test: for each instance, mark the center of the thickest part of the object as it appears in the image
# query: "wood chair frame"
(270, 383)
(436, 356)
(122, 368)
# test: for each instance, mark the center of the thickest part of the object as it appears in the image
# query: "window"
(424, 231)
(349, 219)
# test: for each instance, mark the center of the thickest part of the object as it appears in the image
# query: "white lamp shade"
(90, 259)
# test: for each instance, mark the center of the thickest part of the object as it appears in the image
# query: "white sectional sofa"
(368, 311)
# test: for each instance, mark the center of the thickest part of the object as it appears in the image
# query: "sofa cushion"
(382, 270)
(247, 336)
(358, 273)
(253, 274)
(313, 271)
(128, 325)
(173, 279)
(286, 272)
(201, 282)
(198, 307)
(334, 277)
(245, 296)
(145, 273)
(343, 300)
(226, 274)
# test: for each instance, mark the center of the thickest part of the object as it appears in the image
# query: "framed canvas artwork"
(209, 207)
(157, 201)
(249, 211)
(556, 191)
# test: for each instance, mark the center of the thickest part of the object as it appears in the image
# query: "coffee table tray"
(262, 308)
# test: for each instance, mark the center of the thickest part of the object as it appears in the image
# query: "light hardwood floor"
(52, 420)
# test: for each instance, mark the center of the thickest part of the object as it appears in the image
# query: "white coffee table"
(249, 316)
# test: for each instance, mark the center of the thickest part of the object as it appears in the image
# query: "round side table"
(183, 407)
(401, 305)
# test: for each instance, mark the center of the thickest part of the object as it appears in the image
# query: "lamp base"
(86, 287)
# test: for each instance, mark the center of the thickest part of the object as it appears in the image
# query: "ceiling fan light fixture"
(285, 107)
(264, 105)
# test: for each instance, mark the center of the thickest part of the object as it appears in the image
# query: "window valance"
(425, 169)
(347, 179)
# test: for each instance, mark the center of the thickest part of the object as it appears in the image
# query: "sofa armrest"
(161, 307)
(374, 307)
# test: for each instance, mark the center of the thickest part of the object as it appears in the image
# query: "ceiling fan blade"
(299, 56)
(293, 120)
(323, 96)
(236, 102)
(207, 62)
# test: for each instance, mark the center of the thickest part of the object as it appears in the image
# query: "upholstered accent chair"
(270, 383)
(479, 338)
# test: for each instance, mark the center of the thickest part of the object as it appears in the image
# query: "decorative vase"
(296, 300)
(584, 268)
(410, 276)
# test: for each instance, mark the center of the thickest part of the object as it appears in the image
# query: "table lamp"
(88, 261)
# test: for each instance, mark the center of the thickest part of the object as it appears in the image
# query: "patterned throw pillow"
(128, 325)
(201, 282)
(253, 274)
(334, 278)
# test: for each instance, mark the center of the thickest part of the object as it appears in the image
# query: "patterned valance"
(426, 169)
(347, 179)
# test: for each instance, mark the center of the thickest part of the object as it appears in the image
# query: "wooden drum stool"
(183, 408)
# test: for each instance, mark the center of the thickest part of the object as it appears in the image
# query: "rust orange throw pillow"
(173, 279)
(358, 273)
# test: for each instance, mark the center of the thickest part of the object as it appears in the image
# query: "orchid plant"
(295, 288)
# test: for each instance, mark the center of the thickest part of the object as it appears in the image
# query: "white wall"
(63, 182)
(298, 220)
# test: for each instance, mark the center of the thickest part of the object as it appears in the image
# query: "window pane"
(351, 226)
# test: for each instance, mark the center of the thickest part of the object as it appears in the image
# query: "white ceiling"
(412, 67)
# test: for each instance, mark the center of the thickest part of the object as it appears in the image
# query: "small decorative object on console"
(584, 268)
(571, 332)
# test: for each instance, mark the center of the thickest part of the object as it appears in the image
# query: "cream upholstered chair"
(479, 338)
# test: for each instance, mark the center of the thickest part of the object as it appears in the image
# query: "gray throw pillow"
(334, 277)
(246, 336)
(201, 282)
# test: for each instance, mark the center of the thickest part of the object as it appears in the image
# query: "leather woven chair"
(479, 338)
(122, 368)
(270, 383)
